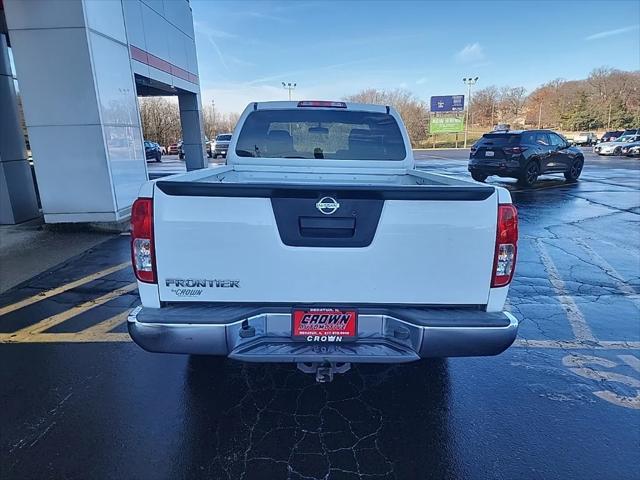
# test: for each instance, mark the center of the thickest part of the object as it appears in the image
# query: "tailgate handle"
(336, 227)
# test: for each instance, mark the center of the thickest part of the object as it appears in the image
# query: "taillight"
(504, 262)
(142, 248)
(514, 150)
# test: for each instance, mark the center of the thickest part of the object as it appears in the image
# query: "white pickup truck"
(320, 243)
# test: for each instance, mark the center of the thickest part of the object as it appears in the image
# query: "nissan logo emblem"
(327, 205)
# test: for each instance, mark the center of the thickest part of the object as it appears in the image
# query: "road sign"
(447, 103)
(448, 124)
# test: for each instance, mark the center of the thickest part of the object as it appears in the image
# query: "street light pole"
(469, 82)
(289, 86)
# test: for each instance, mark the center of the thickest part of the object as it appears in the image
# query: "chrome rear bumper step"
(284, 350)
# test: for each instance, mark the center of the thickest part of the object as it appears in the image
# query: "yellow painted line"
(63, 288)
(67, 338)
(49, 322)
(106, 326)
(576, 319)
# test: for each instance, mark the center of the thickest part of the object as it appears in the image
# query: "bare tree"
(512, 102)
(412, 110)
(484, 106)
(160, 120)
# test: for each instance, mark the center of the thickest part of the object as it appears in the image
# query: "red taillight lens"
(142, 248)
(515, 150)
(504, 262)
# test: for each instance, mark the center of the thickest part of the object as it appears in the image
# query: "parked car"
(174, 149)
(610, 136)
(320, 228)
(152, 151)
(631, 149)
(585, 138)
(615, 148)
(221, 145)
(525, 155)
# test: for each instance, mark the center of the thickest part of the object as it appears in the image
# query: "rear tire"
(530, 174)
(478, 177)
(158, 158)
(575, 171)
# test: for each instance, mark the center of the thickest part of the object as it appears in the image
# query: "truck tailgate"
(261, 244)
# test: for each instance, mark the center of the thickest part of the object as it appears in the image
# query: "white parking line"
(618, 279)
(575, 345)
(576, 319)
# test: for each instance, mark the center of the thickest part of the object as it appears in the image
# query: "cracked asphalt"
(563, 402)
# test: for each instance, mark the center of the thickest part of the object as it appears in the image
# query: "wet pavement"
(79, 400)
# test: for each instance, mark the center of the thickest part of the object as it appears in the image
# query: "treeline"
(161, 120)
(607, 99)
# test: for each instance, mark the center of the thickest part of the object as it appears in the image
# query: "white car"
(330, 248)
(631, 149)
(615, 148)
(585, 138)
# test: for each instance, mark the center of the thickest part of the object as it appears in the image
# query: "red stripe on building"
(156, 62)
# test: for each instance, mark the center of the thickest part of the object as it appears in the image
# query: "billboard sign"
(448, 124)
(447, 103)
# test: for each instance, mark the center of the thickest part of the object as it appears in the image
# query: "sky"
(331, 49)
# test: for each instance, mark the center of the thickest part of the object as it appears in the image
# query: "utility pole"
(289, 86)
(469, 82)
(540, 115)
(609, 121)
(213, 132)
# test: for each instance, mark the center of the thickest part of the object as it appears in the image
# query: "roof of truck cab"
(285, 105)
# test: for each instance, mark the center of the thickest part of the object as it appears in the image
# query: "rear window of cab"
(321, 134)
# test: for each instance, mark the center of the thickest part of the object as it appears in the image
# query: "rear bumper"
(385, 335)
(505, 171)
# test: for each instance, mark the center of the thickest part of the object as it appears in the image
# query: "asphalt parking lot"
(80, 400)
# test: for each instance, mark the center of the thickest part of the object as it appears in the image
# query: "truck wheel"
(575, 171)
(181, 156)
(530, 174)
(478, 177)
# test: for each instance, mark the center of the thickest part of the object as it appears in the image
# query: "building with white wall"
(80, 65)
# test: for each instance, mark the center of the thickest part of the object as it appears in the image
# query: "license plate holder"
(326, 325)
(489, 153)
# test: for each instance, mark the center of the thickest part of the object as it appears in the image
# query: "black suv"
(525, 155)
(152, 151)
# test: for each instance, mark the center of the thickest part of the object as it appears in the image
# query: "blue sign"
(447, 103)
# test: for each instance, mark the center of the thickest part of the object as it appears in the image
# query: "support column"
(192, 131)
(18, 202)
(73, 63)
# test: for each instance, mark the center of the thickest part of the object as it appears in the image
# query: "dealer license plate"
(324, 324)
